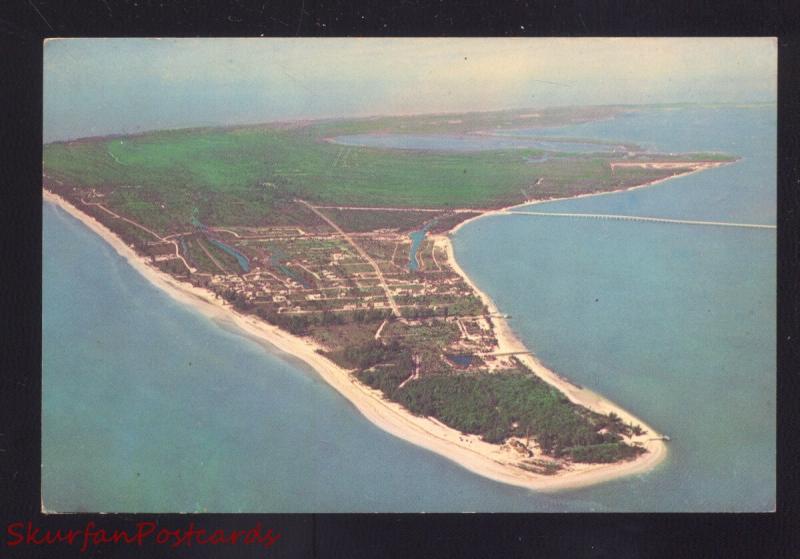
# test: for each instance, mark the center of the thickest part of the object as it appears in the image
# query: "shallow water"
(149, 406)
(744, 191)
(676, 323)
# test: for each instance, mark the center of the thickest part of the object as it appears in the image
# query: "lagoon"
(416, 241)
(243, 261)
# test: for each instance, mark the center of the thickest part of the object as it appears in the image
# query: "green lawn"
(237, 164)
(250, 175)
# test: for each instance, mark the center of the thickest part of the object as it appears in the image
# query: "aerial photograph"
(409, 275)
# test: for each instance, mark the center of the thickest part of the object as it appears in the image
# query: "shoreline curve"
(468, 451)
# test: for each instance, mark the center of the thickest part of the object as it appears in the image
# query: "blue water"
(243, 261)
(416, 241)
(460, 359)
(149, 406)
(277, 259)
(674, 322)
(475, 142)
(744, 191)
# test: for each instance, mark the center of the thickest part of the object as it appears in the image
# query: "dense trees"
(386, 378)
(604, 453)
(372, 353)
(500, 405)
(297, 324)
(300, 324)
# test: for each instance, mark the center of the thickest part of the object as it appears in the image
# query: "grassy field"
(250, 175)
(252, 168)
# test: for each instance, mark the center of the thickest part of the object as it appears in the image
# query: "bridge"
(643, 218)
(503, 353)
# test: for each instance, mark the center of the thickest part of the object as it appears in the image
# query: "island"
(331, 240)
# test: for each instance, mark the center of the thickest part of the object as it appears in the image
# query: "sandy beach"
(488, 460)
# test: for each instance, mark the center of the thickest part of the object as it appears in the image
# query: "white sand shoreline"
(468, 451)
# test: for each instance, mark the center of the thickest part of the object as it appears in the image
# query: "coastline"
(508, 342)
(471, 453)
(701, 166)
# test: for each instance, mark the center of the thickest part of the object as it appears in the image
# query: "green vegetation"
(501, 405)
(198, 257)
(236, 176)
(352, 333)
(174, 267)
(368, 355)
(542, 467)
(604, 453)
(247, 186)
(303, 324)
(386, 378)
(226, 260)
(251, 175)
(441, 305)
(427, 340)
(358, 220)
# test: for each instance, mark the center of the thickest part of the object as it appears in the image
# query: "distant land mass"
(330, 239)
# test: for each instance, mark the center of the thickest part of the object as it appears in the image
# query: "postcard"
(409, 275)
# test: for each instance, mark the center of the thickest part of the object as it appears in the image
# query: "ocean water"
(149, 406)
(674, 322)
(744, 191)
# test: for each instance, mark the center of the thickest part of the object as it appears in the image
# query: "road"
(166, 239)
(362, 253)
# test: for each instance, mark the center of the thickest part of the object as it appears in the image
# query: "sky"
(104, 86)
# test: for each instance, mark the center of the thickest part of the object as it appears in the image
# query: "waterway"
(416, 242)
(150, 407)
(243, 261)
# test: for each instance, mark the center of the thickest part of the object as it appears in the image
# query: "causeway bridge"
(642, 218)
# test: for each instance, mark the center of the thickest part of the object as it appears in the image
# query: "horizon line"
(399, 115)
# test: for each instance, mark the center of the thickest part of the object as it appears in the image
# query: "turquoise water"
(674, 322)
(744, 191)
(416, 241)
(149, 406)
